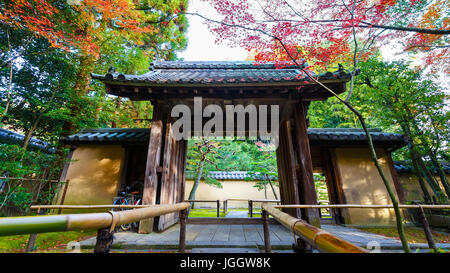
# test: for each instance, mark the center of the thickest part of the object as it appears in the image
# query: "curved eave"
(133, 80)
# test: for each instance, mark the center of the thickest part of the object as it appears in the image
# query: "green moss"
(45, 242)
(413, 234)
(205, 213)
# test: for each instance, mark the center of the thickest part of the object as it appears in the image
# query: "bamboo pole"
(365, 206)
(254, 200)
(276, 206)
(55, 223)
(91, 206)
(32, 179)
(319, 239)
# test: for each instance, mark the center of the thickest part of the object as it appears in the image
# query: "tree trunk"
(197, 182)
(419, 165)
(265, 189)
(441, 174)
(81, 88)
(33, 128)
(427, 173)
(116, 112)
(426, 194)
(273, 190)
(10, 65)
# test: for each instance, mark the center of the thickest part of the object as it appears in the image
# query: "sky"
(201, 45)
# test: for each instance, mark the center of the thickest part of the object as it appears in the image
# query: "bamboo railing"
(225, 203)
(217, 202)
(250, 203)
(319, 239)
(38, 207)
(364, 206)
(104, 222)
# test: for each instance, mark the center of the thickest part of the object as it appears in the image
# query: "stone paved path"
(245, 238)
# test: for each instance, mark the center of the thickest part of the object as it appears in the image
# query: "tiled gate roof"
(231, 72)
(321, 136)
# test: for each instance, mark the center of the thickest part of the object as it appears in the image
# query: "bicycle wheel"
(125, 227)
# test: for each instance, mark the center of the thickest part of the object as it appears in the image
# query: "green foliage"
(17, 194)
(40, 84)
(47, 92)
(397, 97)
(331, 114)
(321, 187)
(264, 167)
(20, 198)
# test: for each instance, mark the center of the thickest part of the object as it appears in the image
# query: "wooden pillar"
(265, 219)
(151, 175)
(306, 188)
(334, 185)
(164, 184)
(168, 180)
(182, 242)
(225, 206)
(63, 196)
(33, 237)
(104, 242)
(287, 175)
(181, 169)
(218, 208)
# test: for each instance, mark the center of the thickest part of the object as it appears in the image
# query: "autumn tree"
(91, 28)
(48, 48)
(300, 27)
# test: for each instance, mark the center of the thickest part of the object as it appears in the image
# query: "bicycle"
(126, 198)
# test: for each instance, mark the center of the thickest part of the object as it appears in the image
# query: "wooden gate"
(164, 184)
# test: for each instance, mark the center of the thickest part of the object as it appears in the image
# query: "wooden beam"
(397, 185)
(337, 178)
(182, 169)
(331, 183)
(167, 181)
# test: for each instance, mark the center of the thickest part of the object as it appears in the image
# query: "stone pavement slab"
(237, 237)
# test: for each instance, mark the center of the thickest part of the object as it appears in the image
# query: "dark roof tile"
(10, 137)
(178, 72)
(322, 135)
